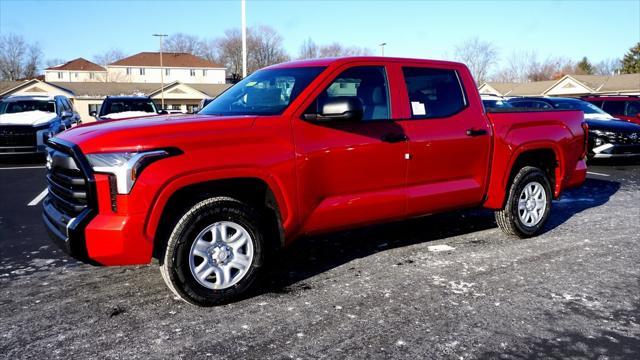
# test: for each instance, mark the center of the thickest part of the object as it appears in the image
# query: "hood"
(127, 115)
(182, 131)
(32, 118)
(616, 125)
(598, 117)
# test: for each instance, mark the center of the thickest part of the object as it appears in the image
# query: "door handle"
(476, 132)
(394, 137)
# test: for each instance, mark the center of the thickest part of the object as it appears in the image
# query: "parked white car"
(27, 122)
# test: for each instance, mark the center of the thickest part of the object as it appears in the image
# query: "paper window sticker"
(417, 108)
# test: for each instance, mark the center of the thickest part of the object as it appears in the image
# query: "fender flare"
(173, 185)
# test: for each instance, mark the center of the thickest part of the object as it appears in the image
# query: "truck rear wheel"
(214, 252)
(528, 203)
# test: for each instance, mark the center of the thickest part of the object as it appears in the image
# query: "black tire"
(508, 218)
(175, 268)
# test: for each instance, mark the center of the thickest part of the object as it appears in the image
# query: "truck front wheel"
(214, 252)
(528, 203)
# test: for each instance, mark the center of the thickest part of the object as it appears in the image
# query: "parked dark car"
(126, 107)
(623, 107)
(609, 137)
(494, 102)
(27, 122)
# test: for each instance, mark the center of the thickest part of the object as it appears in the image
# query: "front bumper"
(609, 151)
(96, 234)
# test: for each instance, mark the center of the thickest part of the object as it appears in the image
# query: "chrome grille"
(17, 136)
(67, 189)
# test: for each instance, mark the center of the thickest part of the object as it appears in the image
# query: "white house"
(76, 70)
(144, 67)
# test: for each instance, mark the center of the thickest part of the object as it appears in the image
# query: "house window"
(192, 72)
(128, 71)
(59, 75)
(92, 75)
(167, 72)
(94, 107)
(141, 71)
(204, 72)
(75, 75)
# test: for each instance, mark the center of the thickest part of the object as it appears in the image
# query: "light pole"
(382, 48)
(161, 36)
(244, 39)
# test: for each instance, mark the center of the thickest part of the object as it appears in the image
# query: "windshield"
(587, 108)
(9, 107)
(123, 105)
(265, 92)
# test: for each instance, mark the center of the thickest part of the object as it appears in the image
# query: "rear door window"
(433, 93)
(633, 108)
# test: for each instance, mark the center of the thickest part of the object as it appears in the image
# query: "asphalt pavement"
(448, 286)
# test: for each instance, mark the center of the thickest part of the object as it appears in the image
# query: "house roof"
(8, 85)
(532, 88)
(169, 59)
(502, 87)
(79, 64)
(101, 89)
(610, 83)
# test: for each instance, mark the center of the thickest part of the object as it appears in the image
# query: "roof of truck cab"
(349, 59)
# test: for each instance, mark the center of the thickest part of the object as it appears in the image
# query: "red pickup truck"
(301, 148)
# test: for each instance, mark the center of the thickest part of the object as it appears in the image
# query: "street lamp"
(161, 36)
(382, 48)
(244, 39)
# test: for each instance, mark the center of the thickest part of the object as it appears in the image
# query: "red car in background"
(623, 107)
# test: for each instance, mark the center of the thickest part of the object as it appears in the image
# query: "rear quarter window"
(433, 93)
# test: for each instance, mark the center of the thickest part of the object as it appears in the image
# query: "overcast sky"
(423, 29)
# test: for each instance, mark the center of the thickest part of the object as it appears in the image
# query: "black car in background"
(608, 137)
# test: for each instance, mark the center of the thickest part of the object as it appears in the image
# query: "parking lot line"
(21, 167)
(38, 198)
(595, 173)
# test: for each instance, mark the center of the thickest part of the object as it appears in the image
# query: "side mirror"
(163, 112)
(341, 108)
(93, 113)
(66, 114)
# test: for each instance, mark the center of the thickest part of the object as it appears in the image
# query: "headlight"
(125, 166)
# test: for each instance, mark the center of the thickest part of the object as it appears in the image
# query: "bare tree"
(336, 49)
(607, 67)
(230, 52)
(183, 43)
(517, 68)
(551, 69)
(478, 55)
(32, 62)
(264, 48)
(12, 51)
(210, 50)
(18, 59)
(110, 56)
(308, 50)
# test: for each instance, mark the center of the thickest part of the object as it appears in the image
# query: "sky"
(421, 29)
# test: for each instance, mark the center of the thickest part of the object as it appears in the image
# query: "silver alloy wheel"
(532, 204)
(221, 255)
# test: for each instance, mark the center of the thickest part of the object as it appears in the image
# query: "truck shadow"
(311, 256)
(610, 343)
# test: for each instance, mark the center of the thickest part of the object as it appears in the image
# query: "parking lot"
(445, 286)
